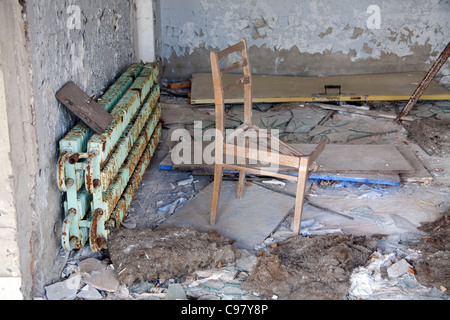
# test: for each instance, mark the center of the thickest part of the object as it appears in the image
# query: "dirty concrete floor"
(395, 211)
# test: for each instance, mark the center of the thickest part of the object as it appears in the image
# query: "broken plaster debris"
(64, 290)
(387, 277)
(344, 267)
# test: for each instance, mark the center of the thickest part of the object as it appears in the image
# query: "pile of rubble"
(332, 266)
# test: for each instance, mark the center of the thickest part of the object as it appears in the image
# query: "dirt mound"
(316, 267)
(432, 267)
(432, 135)
(146, 255)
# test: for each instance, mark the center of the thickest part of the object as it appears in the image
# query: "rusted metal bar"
(74, 232)
(443, 57)
(98, 230)
(115, 160)
(122, 114)
(122, 206)
(111, 196)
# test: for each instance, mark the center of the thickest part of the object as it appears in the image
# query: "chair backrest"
(246, 81)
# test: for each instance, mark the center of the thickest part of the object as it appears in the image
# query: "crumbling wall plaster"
(306, 37)
(89, 43)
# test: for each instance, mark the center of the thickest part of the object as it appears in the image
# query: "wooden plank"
(253, 154)
(300, 194)
(89, 111)
(385, 159)
(276, 89)
(421, 174)
(262, 172)
(362, 177)
(375, 178)
(370, 113)
(179, 85)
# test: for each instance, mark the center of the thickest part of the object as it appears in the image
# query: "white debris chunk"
(63, 290)
(186, 182)
(398, 269)
(89, 293)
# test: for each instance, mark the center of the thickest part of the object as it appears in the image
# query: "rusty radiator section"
(101, 173)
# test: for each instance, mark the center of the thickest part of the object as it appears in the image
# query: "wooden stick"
(301, 190)
(180, 85)
(369, 113)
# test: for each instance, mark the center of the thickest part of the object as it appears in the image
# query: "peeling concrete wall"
(90, 43)
(306, 38)
(18, 153)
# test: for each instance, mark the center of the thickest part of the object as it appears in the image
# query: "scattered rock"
(64, 290)
(186, 182)
(89, 293)
(246, 263)
(99, 274)
(398, 269)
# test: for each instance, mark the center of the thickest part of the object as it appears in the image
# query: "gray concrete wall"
(18, 153)
(88, 42)
(306, 38)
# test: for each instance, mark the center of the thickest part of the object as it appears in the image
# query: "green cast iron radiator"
(100, 174)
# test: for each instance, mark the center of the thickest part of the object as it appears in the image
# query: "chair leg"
(300, 194)
(240, 188)
(218, 173)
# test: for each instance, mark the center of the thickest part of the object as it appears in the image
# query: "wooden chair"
(284, 155)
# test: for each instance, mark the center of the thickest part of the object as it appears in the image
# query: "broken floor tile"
(63, 290)
(247, 263)
(99, 275)
(319, 130)
(175, 292)
(141, 287)
(341, 136)
(232, 290)
(340, 123)
(213, 285)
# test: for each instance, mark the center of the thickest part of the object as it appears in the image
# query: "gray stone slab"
(248, 220)
(63, 290)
